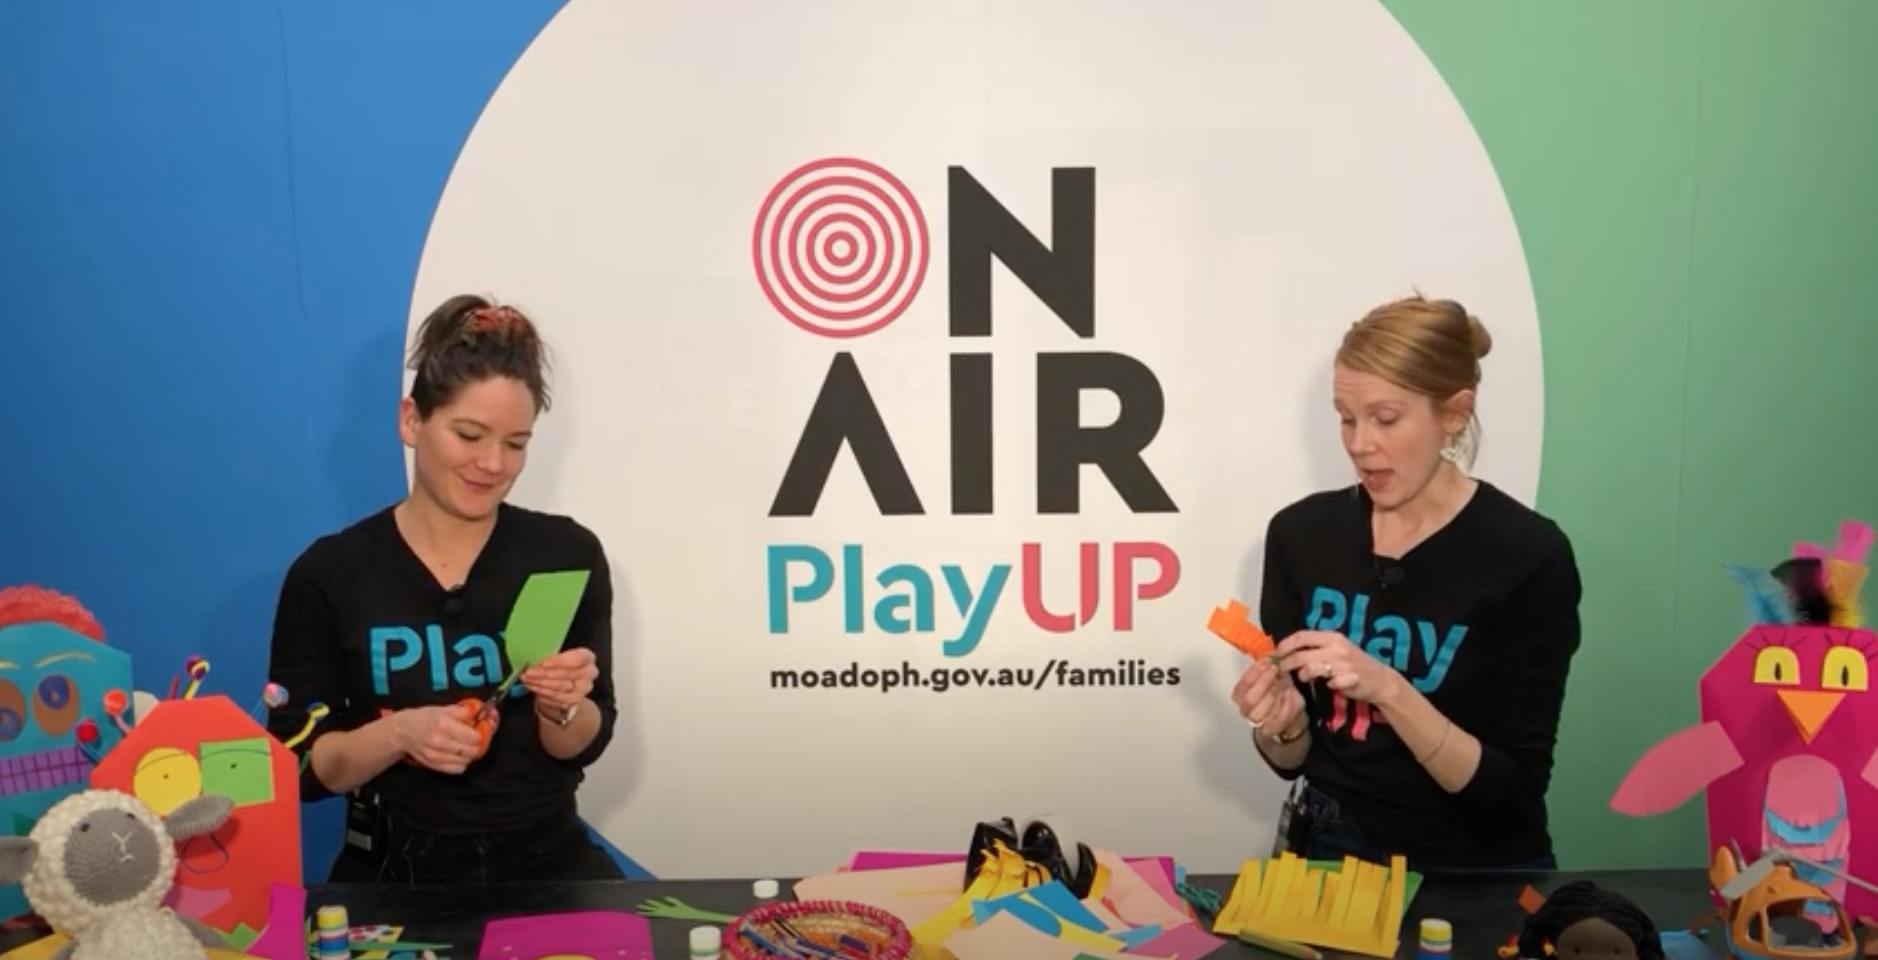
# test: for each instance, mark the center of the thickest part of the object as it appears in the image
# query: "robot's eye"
(12, 712)
(55, 705)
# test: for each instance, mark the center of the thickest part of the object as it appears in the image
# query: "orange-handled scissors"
(502, 693)
(470, 710)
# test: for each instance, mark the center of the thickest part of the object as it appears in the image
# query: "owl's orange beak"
(1810, 708)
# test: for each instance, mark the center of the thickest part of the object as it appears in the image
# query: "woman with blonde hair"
(1427, 619)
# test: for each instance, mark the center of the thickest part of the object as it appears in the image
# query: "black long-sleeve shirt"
(363, 627)
(1482, 617)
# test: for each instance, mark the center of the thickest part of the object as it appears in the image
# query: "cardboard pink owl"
(1785, 749)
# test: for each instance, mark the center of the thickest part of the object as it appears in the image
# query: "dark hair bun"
(468, 339)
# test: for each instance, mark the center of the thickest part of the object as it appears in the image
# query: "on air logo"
(841, 250)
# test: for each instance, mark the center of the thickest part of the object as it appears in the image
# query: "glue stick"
(332, 930)
(706, 943)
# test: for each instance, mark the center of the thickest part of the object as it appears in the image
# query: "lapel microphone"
(453, 601)
(1389, 573)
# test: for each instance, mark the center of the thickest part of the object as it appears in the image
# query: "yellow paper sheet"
(1356, 907)
(1003, 874)
(1005, 937)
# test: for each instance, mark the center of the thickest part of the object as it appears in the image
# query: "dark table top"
(1484, 909)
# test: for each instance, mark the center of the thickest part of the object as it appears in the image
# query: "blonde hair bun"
(1477, 332)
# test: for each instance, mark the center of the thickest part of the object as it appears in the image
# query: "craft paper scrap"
(1186, 943)
(1158, 874)
(1149, 875)
(1137, 936)
(1131, 899)
(593, 933)
(914, 894)
(1004, 937)
(286, 910)
(1233, 624)
(371, 933)
(542, 615)
(1054, 910)
(896, 859)
(900, 859)
(1530, 899)
(1040, 919)
(1056, 898)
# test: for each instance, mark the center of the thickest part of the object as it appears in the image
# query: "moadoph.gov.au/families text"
(1056, 673)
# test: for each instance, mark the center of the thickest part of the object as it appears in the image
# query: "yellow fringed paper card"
(1355, 907)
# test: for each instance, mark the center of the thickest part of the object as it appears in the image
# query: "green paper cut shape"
(241, 938)
(542, 615)
(241, 770)
(672, 908)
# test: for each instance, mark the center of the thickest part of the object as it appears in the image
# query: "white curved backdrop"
(1264, 173)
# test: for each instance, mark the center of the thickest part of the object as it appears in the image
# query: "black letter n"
(1061, 275)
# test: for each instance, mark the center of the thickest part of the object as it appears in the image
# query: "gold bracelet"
(1444, 742)
(1287, 739)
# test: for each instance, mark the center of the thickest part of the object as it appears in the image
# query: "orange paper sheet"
(1233, 624)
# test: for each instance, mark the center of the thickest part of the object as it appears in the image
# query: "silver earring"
(1451, 451)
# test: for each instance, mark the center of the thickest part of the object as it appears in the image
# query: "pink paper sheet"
(607, 934)
(285, 936)
(1185, 942)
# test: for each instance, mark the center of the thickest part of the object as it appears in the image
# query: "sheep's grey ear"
(202, 815)
(16, 857)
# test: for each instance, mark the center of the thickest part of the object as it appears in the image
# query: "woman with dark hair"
(396, 620)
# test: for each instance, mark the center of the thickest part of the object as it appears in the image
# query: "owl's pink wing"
(1675, 770)
(1870, 773)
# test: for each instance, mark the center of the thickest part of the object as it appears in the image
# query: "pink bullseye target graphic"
(840, 247)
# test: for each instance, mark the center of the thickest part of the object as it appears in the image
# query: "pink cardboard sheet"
(595, 934)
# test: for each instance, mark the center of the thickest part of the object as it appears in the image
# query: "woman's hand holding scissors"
(441, 738)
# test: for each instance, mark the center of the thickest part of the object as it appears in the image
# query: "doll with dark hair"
(1582, 920)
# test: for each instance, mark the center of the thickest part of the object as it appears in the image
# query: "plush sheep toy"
(97, 867)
